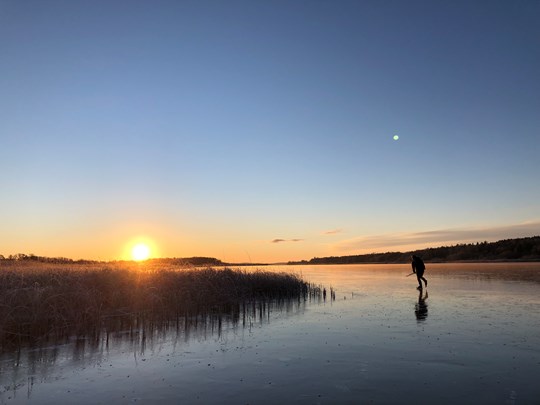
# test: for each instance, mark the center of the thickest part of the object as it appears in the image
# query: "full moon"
(396, 137)
(140, 252)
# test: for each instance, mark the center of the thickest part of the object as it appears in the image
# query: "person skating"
(418, 267)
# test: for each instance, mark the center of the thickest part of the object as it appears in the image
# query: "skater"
(418, 268)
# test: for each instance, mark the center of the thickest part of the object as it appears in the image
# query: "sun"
(140, 252)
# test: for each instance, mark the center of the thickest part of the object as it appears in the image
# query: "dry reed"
(39, 300)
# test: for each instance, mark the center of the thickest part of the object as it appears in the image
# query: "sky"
(263, 131)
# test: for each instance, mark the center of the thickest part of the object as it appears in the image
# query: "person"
(418, 268)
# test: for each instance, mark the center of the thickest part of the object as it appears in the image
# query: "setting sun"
(140, 252)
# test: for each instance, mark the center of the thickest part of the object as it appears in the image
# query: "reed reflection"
(19, 370)
(421, 307)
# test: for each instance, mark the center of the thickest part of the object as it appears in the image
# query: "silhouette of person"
(420, 309)
(418, 268)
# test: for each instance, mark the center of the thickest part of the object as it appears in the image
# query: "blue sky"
(214, 128)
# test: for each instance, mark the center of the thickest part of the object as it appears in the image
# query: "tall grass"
(40, 301)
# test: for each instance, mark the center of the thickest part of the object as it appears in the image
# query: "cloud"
(418, 240)
(332, 232)
(286, 240)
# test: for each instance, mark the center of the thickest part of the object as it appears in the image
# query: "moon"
(396, 137)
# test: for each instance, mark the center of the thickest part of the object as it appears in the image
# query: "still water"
(471, 337)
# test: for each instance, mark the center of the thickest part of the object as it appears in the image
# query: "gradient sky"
(263, 130)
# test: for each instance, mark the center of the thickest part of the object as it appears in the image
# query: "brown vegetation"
(43, 300)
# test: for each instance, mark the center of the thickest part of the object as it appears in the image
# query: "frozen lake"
(471, 337)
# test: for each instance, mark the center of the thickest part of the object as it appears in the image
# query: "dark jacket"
(418, 265)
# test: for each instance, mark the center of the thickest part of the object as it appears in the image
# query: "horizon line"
(32, 256)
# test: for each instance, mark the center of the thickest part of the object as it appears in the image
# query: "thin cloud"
(333, 232)
(440, 237)
(286, 240)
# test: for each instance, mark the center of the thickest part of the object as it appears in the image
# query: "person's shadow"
(420, 308)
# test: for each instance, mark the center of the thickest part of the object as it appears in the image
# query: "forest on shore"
(520, 249)
(175, 261)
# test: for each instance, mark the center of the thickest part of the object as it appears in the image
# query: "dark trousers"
(420, 277)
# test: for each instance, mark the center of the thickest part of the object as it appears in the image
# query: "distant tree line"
(521, 249)
(187, 261)
(42, 259)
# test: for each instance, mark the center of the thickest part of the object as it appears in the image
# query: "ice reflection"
(21, 370)
(421, 307)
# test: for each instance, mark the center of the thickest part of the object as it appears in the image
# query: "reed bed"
(40, 301)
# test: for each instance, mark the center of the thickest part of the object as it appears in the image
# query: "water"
(471, 337)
